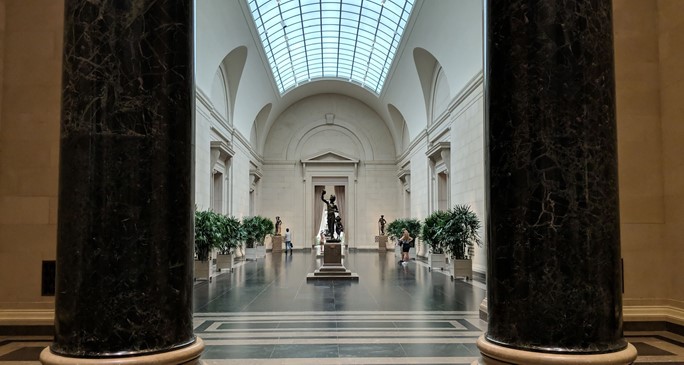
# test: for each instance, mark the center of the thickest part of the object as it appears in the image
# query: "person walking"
(288, 240)
(405, 242)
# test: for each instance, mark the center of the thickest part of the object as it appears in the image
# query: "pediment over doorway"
(330, 157)
(331, 161)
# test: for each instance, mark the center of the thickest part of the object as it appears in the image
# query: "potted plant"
(429, 234)
(207, 236)
(395, 228)
(458, 237)
(255, 230)
(231, 236)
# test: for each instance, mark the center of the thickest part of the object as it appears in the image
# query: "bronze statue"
(278, 224)
(381, 223)
(339, 228)
(331, 209)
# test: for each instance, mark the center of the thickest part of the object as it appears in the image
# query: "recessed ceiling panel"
(352, 40)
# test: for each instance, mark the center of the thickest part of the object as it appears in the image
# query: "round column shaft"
(125, 221)
(554, 273)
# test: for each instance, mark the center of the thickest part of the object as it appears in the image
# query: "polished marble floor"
(265, 312)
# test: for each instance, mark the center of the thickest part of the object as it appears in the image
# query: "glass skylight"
(352, 40)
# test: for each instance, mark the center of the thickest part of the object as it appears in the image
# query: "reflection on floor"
(266, 313)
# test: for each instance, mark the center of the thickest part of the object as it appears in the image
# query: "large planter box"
(250, 253)
(423, 250)
(256, 252)
(203, 270)
(437, 261)
(224, 262)
(463, 268)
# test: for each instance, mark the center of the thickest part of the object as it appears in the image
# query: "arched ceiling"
(350, 40)
(325, 86)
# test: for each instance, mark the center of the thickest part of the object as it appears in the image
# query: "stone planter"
(224, 262)
(422, 249)
(203, 270)
(251, 253)
(462, 268)
(437, 261)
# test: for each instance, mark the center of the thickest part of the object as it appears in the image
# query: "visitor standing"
(288, 240)
(405, 242)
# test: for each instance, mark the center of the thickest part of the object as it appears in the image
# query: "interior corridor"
(265, 312)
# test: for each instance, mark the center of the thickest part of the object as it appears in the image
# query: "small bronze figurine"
(381, 224)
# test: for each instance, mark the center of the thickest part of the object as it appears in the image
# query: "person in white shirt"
(288, 240)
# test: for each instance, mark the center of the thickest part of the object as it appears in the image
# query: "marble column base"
(188, 355)
(493, 354)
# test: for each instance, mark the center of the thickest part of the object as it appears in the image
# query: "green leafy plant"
(459, 234)
(232, 233)
(395, 227)
(255, 230)
(208, 233)
(431, 227)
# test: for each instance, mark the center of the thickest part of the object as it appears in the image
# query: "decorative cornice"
(343, 159)
(254, 156)
(470, 87)
(225, 150)
(205, 101)
(437, 152)
(420, 138)
(257, 174)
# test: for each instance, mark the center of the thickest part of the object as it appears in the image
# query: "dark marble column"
(125, 227)
(554, 274)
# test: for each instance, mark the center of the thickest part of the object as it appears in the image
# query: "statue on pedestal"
(331, 209)
(278, 225)
(381, 225)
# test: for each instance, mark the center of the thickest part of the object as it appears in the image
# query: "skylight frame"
(350, 40)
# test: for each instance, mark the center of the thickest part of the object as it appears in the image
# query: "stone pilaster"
(554, 273)
(125, 223)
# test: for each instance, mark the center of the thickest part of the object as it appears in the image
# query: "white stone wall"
(352, 132)
(419, 181)
(354, 129)
(211, 126)
(282, 192)
(467, 161)
(240, 180)
(378, 193)
(202, 157)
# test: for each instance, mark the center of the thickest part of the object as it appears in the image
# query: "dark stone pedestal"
(332, 267)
